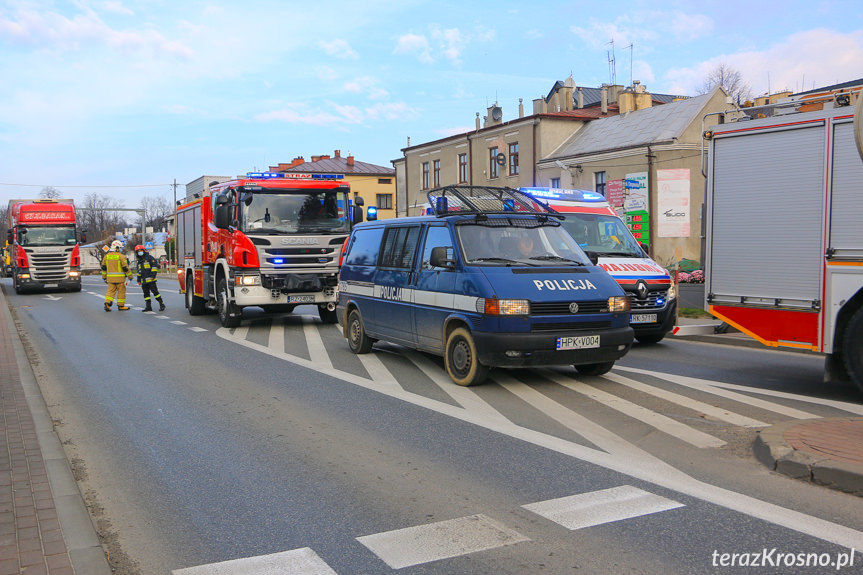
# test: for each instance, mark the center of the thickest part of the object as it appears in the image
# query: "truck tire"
(648, 339)
(358, 341)
(194, 303)
(594, 368)
(852, 348)
(327, 316)
(461, 359)
(229, 314)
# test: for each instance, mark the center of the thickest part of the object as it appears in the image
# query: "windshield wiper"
(498, 260)
(558, 259)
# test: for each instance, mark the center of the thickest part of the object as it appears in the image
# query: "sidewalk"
(45, 528)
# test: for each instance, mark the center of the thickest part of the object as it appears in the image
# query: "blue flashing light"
(292, 176)
(372, 213)
(278, 261)
(541, 193)
(564, 194)
(660, 301)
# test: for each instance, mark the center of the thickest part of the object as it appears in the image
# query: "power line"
(62, 186)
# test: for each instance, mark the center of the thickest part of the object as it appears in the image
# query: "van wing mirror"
(439, 258)
(593, 257)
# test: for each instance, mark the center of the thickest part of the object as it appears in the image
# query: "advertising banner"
(636, 192)
(673, 204)
(614, 193)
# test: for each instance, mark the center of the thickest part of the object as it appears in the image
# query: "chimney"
(338, 154)
(520, 108)
(604, 99)
(580, 98)
(350, 161)
(477, 121)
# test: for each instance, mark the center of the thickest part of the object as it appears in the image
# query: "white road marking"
(604, 506)
(657, 420)
(162, 316)
(276, 337)
(179, 322)
(317, 351)
(712, 411)
(708, 387)
(297, 562)
(198, 329)
(625, 458)
(442, 540)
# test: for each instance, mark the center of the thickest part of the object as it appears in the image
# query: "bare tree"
(50, 193)
(730, 79)
(158, 211)
(99, 217)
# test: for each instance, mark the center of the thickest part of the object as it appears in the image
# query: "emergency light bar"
(291, 176)
(564, 194)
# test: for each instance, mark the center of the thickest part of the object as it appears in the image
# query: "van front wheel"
(594, 368)
(462, 360)
(358, 341)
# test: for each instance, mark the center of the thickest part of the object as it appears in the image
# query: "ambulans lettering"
(563, 285)
(632, 268)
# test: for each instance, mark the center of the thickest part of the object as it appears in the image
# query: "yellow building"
(374, 184)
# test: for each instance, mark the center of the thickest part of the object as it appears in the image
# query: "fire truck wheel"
(648, 339)
(594, 368)
(194, 304)
(462, 360)
(852, 348)
(229, 314)
(358, 341)
(327, 316)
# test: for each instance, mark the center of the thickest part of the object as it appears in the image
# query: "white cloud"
(339, 48)
(414, 44)
(643, 28)
(367, 86)
(116, 7)
(819, 57)
(451, 42)
(337, 116)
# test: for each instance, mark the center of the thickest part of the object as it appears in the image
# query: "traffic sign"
(148, 246)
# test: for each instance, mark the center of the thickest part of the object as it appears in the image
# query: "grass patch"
(694, 313)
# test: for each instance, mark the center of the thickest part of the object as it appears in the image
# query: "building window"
(513, 159)
(385, 201)
(437, 173)
(462, 168)
(599, 177)
(555, 182)
(493, 167)
(425, 175)
(385, 180)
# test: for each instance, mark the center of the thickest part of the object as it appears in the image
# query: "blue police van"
(490, 279)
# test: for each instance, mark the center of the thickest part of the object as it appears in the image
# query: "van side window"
(437, 236)
(364, 248)
(399, 247)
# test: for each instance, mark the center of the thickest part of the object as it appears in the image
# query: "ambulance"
(601, 233)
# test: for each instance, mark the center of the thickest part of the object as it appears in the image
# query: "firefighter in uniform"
(115, 271)
(148, 267)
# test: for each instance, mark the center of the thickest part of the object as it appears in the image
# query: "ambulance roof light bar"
(564, 194)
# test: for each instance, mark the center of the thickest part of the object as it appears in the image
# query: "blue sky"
(122, 97)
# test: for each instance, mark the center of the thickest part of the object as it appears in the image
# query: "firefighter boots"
(148, 307)
(161, 305)
(107, 306)
(122, 307)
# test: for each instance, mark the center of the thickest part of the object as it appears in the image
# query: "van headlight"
(494, 306)
(672, 291)
(618, 303)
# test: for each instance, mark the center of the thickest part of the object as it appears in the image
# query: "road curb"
(772, 450)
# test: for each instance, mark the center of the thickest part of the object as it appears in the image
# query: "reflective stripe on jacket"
(148, 267)
(115, 267)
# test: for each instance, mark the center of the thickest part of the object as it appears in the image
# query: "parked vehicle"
(270, 240)
(42, 245)
(492, 279)
(784, 250)
(599, 230)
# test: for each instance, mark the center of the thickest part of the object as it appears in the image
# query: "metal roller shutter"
(846, 214)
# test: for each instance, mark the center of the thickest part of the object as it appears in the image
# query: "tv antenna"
(630, 63)
(612, 71)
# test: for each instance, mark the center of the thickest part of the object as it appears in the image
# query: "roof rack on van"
(460, 200)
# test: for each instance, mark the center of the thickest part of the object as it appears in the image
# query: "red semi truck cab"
(43, 245)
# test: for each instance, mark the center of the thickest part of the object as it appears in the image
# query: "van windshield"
(604, 234)
(518, 242)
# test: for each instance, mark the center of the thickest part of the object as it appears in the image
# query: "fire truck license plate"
(579, 342)
(643, 318)
(301, 299)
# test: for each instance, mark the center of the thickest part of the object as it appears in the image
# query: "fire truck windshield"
(48, 236)
(305, 212)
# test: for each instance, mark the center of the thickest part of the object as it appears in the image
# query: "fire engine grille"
(649, 302)
(48, 267)
(562, 307)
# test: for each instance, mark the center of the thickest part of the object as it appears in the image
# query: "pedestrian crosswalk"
(441, 540)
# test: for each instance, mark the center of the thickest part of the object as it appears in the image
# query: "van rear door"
(393, 299)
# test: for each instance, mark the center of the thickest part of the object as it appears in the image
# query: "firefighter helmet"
(139, 247)
(116, 245)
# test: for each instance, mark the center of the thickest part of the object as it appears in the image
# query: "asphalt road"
(196, 445)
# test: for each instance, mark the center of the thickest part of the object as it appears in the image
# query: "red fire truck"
(784, 250)
(271, 240)
(42, 245)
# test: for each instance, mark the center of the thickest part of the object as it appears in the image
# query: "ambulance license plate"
(578, 342)
(643, 318)
(301, 299)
